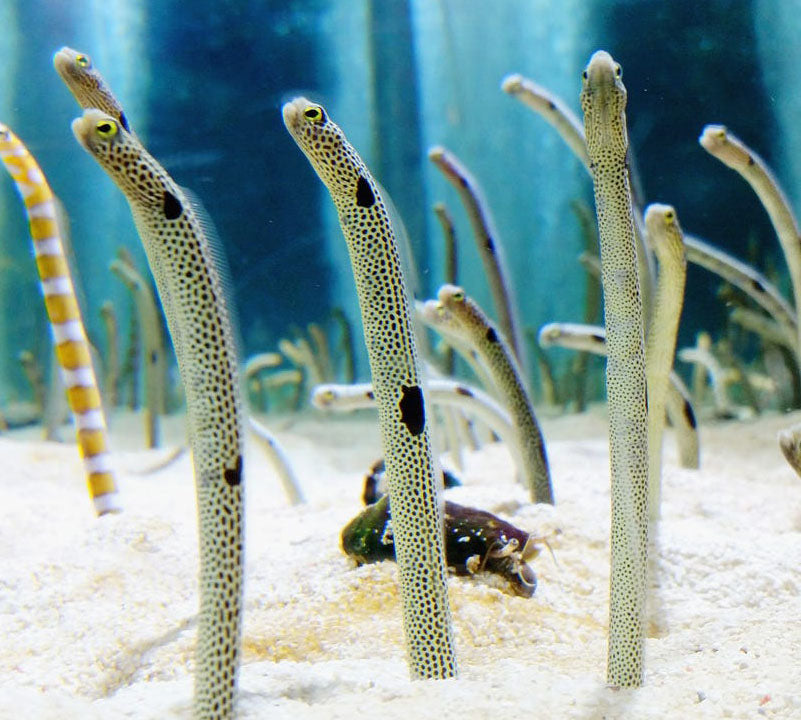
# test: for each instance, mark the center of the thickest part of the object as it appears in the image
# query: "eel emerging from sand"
(69, 336)
(667, 242)
(184, 263)
(509, 380)
(417, 513)
(188, 280)
(603, 100)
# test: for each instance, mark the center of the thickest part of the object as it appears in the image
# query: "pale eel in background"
(442, 391)
(557, 114)
(490, 248)
(747, 279)
(500, 361)
(66, 324)
(188, 280)
(154, 353)
(731, 151)
(417, 512)
(603, 99)
(592, 339)
(553, 109)
(667, 242)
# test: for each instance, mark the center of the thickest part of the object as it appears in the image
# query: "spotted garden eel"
(733, 152)
(417, 513)
(667, 241)
(184, 265)
(490, 248)
(592, 339)
(63, 312)
(88, 86)
(501, 363)
(603, 100)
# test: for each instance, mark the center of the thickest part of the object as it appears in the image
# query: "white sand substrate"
(98, 616)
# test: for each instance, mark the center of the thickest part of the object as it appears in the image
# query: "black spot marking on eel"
(551, 105)
(689, 413)
(124, 122)
(758, 286)
(598, 339)
(370, 395)
(364, 193)
(489, 243)
(492, 336)
(462, 390)
(412, 409)
(751, 160)
(234, 477)
(172, 206)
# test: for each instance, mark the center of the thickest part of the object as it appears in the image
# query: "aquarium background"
(203, 82)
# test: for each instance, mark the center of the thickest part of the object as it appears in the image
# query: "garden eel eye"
(458, 296)
(585, 75)
(721, 134)
(670, 216)
(618, 72)
(315, 114)
(83, 61)
(106, 129)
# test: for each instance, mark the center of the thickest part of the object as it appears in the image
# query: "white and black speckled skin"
(189, 285)
(603, 100)
(500, 361)
(417, 517)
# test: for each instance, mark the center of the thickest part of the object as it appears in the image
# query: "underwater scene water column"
(529, 176)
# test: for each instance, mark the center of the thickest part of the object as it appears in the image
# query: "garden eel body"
(69, 336)
(592, 339)
(747, 279)
(442, 391)
(417, 513)
(551, 108)
(731, 151)
(790, 445)
(603, 99)
(509, 381)
(490, 248)
(665, 235)
(184, 266)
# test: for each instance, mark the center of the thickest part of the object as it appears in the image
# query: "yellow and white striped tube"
(69, 336)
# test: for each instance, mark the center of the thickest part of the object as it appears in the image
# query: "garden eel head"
(87, 84)
(323, 143)
(603, 100)
(120, 155)
(717, 141)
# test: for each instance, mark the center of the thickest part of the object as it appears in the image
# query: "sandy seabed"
(98, 616)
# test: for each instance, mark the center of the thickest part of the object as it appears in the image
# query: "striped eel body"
(603, 99)
(667, 242)
(69, 336)
(417, 513)
(490, 248)
(509, 381)
(188, 281)
(731, 151)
